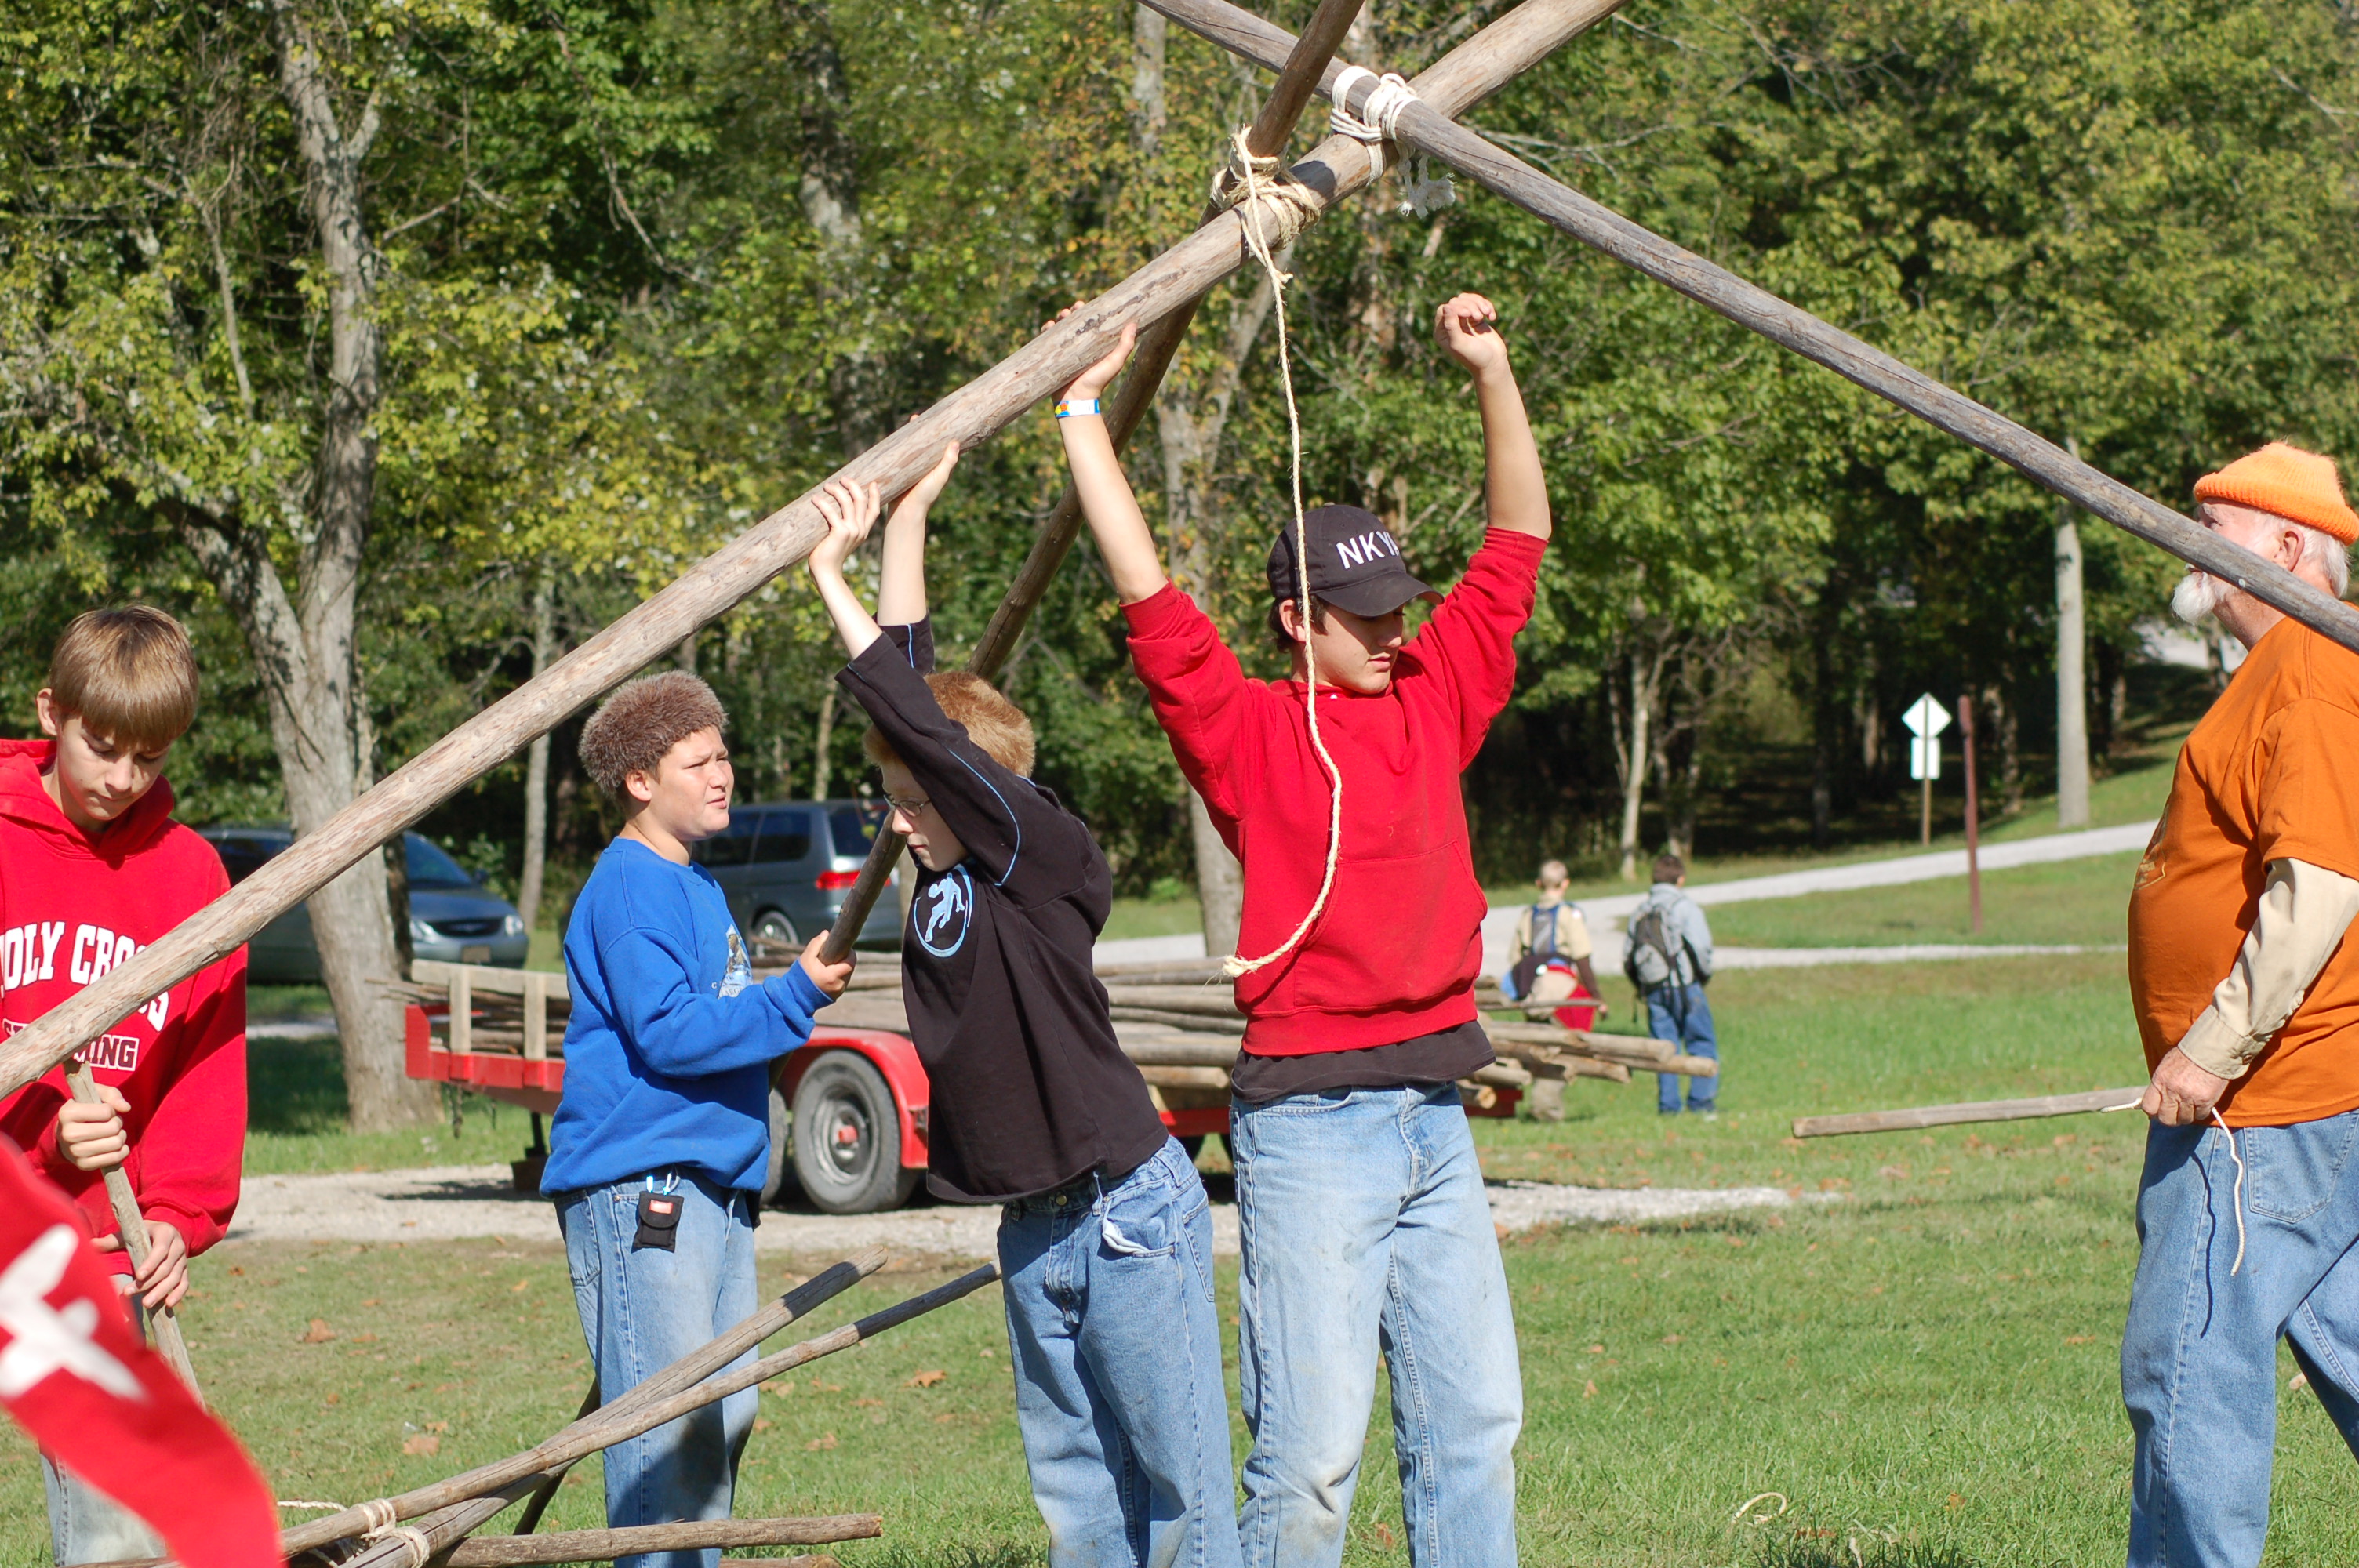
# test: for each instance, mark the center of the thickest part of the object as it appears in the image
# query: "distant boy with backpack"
(659, 1148)
(92, 868)
(1667, 954)
(1106, 1235)
(1366, 1227)
(1552, 934)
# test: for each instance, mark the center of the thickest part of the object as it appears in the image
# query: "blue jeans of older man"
(1117, 1354)
(1683, 1014)
(2200, 1350)
(644, 1307)
(1366, 1232)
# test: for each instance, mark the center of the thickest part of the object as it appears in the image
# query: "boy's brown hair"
(991, 721)
(1669, 868)
(633, 729)
(129, 674)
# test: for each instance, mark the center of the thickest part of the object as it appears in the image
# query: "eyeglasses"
(909, 808)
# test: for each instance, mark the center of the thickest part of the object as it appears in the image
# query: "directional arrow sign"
(1926, 718)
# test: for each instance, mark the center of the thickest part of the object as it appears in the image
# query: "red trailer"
(848, 1111)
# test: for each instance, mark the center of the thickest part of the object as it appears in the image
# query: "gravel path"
(450, 1202)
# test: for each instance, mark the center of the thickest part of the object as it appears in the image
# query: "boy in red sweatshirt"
(1361, 1201)
(92, 867)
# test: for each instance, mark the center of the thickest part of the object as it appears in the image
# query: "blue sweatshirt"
(668, 1051)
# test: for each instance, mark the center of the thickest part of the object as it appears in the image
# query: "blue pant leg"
(1083, 1479)
(1321, 1180)
(2325, 1337)
(88, 1526)
(1663, 1023)
(2199, 1351)
(1151, 1340)
(1702, 1039)
(644, 1308)
(1449, 1341)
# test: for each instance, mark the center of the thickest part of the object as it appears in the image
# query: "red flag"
(75, 1374)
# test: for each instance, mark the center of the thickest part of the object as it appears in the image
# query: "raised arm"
(851, 511)
(1119, 526)
(901, 597)
(1513, 484)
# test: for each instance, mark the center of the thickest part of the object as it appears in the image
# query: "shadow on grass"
(295, 1088)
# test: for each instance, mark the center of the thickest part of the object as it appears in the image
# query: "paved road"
(451, 1201)
(1607, 912)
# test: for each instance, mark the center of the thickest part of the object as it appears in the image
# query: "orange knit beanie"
(2287, 482)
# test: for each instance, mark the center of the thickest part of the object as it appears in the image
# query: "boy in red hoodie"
(92, 867)
(1359, 1196)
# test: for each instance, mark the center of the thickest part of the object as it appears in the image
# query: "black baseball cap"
(1355, 563)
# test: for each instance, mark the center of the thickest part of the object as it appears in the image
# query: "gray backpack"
(1649, 948)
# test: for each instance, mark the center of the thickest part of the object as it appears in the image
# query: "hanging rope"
(1257, 178)
(2229, 1133)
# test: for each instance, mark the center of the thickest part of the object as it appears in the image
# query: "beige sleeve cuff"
(2303, 913)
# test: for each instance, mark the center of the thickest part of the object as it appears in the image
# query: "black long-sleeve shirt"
(1031, 1089)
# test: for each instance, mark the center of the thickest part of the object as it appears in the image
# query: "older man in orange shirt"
(2247, 999)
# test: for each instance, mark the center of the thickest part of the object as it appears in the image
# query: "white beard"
(2198, 593)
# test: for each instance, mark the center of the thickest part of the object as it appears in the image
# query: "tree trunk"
(1634, 749)
(2010, 749)
(306, 647)
(1219, 881)
(820, 777)
(536, 765)
(1148, 112)
(2071, 690)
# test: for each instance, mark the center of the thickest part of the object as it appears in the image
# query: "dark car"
(785, 866)
(451, 917)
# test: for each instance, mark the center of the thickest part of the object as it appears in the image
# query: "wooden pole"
(602, 1545)
(133, 1227)
(1973, 818)
(1464, 78)
(1425, 130)
(1925, 797)
(684, 1373)
(1973, 1110)
(487, 1488)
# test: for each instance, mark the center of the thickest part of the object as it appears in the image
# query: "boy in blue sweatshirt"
(658, 1149)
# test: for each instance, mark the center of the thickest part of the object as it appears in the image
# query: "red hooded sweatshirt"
(1395, 953)
(71, 909)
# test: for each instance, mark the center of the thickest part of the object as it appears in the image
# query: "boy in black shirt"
(1106, 1239)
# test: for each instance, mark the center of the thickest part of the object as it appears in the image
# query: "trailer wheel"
(847, 1138)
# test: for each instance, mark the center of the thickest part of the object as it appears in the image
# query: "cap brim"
(1379, 596)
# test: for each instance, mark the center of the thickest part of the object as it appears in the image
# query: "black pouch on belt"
(659, 1221)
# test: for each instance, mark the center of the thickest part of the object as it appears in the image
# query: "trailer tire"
(779, 1184)
(847, 1138)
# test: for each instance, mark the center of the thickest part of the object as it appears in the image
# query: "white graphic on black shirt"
(943, 912)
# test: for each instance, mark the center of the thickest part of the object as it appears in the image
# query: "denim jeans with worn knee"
(1117, 1354)
(88, 1526)
(2199, 1351)
(642, 1308)
(1366, 1230)
(1683, 1014)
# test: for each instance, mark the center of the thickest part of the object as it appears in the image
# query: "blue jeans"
(644, 1308)
(88, 1526)
(1681, 1014)
(2199, 1351)
(1117, 1354)
(1366, 1229)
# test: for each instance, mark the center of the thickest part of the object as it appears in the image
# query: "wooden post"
(601, 1545)
(1973, 816)
(133, 1227)
(1462, 78)
(462, 1028)
(536, 1016)
(1427, 128)
(1925, 800)
(1971, 1110)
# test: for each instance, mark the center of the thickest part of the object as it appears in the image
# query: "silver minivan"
(785, 866)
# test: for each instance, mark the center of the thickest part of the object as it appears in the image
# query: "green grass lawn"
(2067, 902)
(1924, 1365)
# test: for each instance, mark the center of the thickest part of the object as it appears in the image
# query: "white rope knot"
(415, 1548)
(1378, 121)
(1258, 183)
(378, 1514)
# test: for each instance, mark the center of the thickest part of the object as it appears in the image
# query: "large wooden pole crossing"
(725, 579)
(2042, 462)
